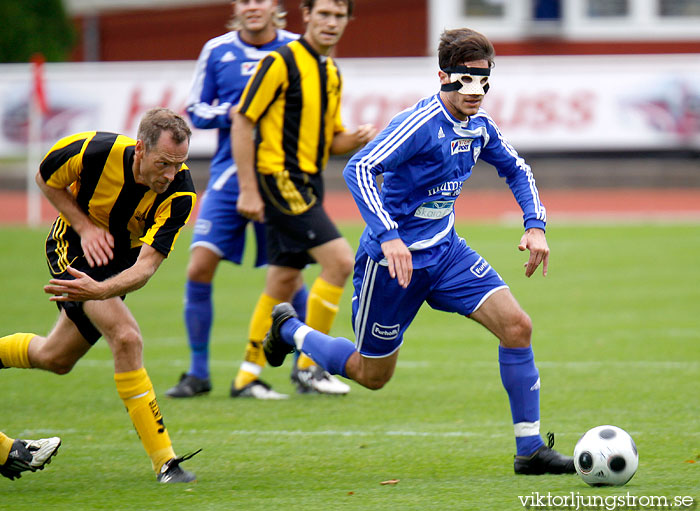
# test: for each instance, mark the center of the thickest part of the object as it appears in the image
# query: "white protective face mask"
(467, 80)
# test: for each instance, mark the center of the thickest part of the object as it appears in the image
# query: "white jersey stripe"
(363, 174)
(364, 301)
(366, 180)
(537, 204)
(200, 69)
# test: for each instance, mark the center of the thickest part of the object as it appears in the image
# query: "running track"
(610, 204)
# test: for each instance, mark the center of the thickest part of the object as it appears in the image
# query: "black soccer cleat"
(30, 455)
(274, 346)
(189, 386)
(172, 472)
(544, 460)
(18, 460)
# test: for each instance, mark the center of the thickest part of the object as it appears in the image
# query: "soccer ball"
(606, 456)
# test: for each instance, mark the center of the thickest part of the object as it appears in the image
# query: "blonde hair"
(279, 19)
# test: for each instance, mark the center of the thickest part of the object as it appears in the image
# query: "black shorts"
(63, 249)
(289, 237)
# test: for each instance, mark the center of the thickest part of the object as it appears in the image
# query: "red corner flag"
(38, 89)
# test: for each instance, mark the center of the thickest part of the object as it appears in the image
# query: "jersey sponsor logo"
(480, 268)
(434, 210)
(461, 145)
(386, 333)
(448, 189)
(248, 68)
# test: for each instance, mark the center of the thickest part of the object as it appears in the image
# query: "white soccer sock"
(300, 335)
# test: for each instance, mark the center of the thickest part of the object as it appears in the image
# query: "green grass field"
(617, 341)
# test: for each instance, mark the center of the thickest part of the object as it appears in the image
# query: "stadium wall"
(178, 33)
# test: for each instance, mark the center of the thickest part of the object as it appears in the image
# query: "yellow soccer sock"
(14, 350)
(322, 305)
(136, 391)
(321, 309)
(5, 447)
(254, 360)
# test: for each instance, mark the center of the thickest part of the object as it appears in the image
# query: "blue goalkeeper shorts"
(221, 229)
(382, 310)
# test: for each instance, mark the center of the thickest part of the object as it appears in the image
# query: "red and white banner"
(595, 103)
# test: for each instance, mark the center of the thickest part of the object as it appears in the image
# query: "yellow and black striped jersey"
(98, 169)
(294, 99)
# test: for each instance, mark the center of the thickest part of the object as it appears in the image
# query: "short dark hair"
(464, 45)
(309, 4)
(158, 120)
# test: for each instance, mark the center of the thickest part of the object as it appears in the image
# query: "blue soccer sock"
(522, 382)
(199, 314)
(331, 353)
(299, 302)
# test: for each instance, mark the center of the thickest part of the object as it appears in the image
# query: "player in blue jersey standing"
(224, 66)
(410, 253)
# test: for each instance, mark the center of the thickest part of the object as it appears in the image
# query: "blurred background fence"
(593, 93)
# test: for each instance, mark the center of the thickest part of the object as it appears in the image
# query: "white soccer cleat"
(42, 451)
(316, 379)
(257, 389)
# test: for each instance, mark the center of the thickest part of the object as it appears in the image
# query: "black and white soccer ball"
(606, 456)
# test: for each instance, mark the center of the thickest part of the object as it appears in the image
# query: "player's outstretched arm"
(344, 141)
(84, 287)
(535, 241)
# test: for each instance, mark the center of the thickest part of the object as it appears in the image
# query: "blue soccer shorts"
(221, 229)
(382, 310)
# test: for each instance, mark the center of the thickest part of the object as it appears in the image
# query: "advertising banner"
(544, 104)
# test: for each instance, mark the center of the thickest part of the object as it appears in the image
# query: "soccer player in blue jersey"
(410, 253)
(223, 69)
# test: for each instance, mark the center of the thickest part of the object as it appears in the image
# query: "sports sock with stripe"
(321, 310)
(331, 353)
(522, 383)
(254, 360)
(5, 447)
(14, 350)
(136, 391)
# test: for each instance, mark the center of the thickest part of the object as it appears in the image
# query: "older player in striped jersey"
(122, 205)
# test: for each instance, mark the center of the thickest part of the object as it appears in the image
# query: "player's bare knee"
(200, 273)
(374, 383)
(518, 332)
(373, 380)
(340, 270)
(59, 365)
(128, 343)
(346, 266)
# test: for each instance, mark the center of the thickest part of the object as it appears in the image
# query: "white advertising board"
(554, 104)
